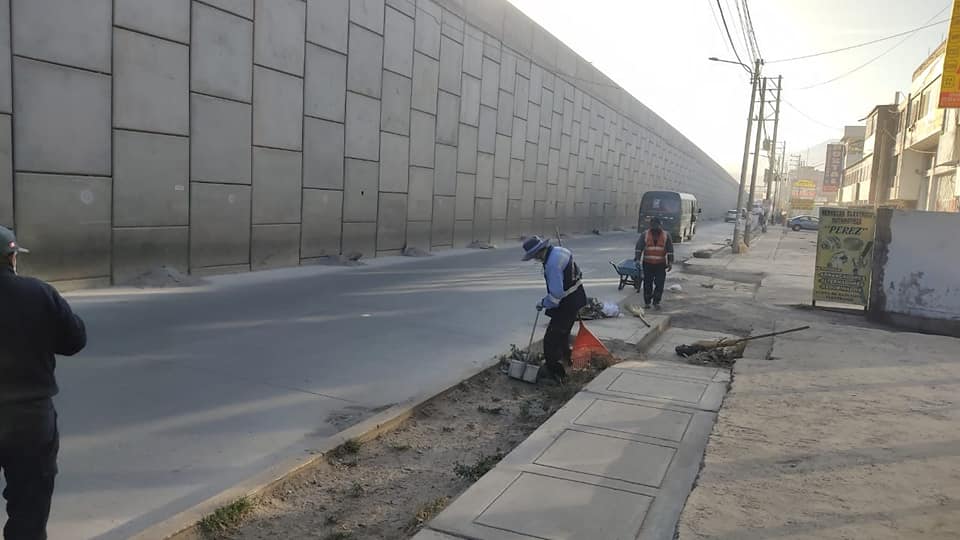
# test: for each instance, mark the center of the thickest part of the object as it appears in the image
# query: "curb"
(183, 526)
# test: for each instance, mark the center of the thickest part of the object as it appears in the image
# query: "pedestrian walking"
(655, 252)
(565, 296)
(35, 324)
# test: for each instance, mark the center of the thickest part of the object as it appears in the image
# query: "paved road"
(182, 393)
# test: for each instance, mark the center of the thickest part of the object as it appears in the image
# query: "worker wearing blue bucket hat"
(565, 296)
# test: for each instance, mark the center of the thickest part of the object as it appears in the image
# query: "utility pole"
(756, 163)
(738, 228)
(776, 126)
(781, 179)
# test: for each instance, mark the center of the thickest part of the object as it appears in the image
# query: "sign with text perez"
(844, 255)
(833, 168)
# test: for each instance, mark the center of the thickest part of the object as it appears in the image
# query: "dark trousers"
(556, 341)
(654, 276)
(29, 443)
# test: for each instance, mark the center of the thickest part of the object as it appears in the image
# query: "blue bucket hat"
(533, 245)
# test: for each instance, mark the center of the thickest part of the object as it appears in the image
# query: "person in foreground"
(565, 296)
(35, 324)
(655, 252)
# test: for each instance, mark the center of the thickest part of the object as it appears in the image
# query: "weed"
(398, 446)
(332, 520)
(495, 411)
(481, 467)
(357, 490)
(339, 535)
(427, 511)
(349, 448)
(525, 409)
(226, 517)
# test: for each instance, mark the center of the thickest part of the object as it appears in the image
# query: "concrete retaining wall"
(915, 271)
(230, 135)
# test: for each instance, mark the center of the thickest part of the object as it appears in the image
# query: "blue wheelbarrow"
(630, 274)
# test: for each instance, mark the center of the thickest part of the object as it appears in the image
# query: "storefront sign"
(844, 255)
(833, 168)
(950, 81)
(801, 204)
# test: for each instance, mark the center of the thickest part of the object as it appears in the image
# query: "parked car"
(731, 216)
(805, 223)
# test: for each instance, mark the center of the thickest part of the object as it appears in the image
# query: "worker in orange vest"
(655, 252)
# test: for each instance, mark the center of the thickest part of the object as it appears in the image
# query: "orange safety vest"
(655, 250)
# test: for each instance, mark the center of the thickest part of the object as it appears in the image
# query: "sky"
(658, 50)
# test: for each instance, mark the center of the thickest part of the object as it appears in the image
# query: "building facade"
(868, 180)
(216, 136)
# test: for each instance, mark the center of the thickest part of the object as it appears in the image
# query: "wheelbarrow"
(630, 274)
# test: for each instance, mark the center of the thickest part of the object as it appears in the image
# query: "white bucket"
(517, 369)
(530, 373)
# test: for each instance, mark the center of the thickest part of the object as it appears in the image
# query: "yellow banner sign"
(801, 204)
(950, 82)
(805, 184)
(844, 255)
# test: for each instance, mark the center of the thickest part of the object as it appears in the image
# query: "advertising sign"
(801, 204)
(950, 82)
(833, 168)
(844, 255)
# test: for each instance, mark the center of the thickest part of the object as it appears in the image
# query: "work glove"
(669, 267)
(539, 306)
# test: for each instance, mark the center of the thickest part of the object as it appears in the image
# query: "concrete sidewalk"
(617, 461)
(842, 431)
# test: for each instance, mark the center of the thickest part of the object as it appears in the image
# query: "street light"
(755, 77)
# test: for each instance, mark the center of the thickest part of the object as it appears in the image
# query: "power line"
(743, 31)
(716, 21)
(875, 58)
(753, 33)
(858, 45)
(729, 36)
(808, 117)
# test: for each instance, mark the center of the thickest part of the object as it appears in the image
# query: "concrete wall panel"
(323, 153)
(502, 157)
(407, 7)
(66, 220)
(281, 31)
(6, 172)
(501, 188)
(365, 62)
(164, 18)
(70, 32)
(276, 185)
(482, 220)
(443, 218)
(486, 15)
(398, 43)
(363, 127)
(470, 101)
(423, 128)
(275, 246)
(490, 83)
(322, 217)
(6, 69)
(326, 84)
(521, 97)
(139, 250)
(516, 178)
(151, 179)
(220, 140)
(485, 166)
(395, 108)
(360, 191)
(394, 163)
(427, 33)
(447, 118)
(219, 225)
(360, 238)
(451, 24)
(519, 140)
(418, 234)
(505, 116)
(151, 84)
(63, 119)
(466, 191)
(244, 8)
(492, 47)
(426, 80)
(420, 197)
(392, 221)
(451, 65)
(221, 53)
(277, 109)
(367, 13)
(487, 141)
(473, 52)
(445, 180)
(327, 23)
(517, 30)
(467, 149)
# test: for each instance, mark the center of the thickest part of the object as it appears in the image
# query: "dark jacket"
(642, 245)
(35, 324)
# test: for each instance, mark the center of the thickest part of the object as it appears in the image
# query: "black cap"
(655, 221)
(8, 243)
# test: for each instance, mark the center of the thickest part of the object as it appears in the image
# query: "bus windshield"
(667, 203)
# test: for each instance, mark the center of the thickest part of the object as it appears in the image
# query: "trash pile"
(480, 244)
(722, 352)
(597, 309)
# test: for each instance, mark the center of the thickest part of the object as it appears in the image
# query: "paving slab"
(627, 328)
(616, 462)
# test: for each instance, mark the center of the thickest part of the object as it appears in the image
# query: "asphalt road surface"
(184, 392)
